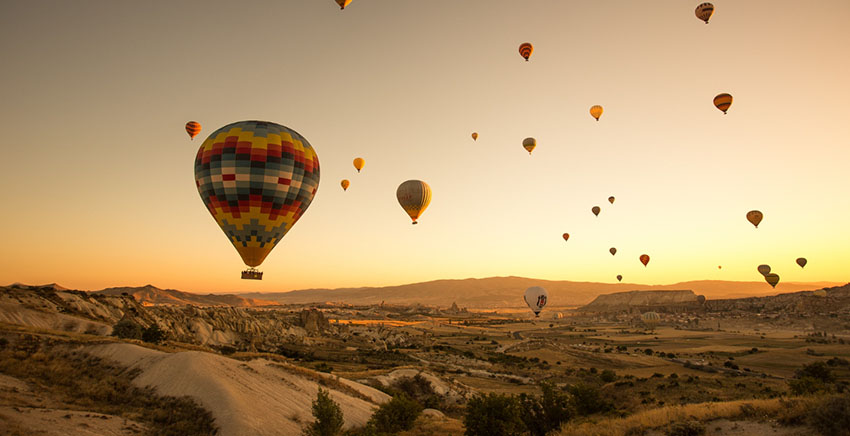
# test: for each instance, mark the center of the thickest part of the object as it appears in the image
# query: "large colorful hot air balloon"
(414, 197)
(342, 3)
(193, 128)
(525, 50)
(644, 259)
(772, 279)
(763, 269)
(256, 178)
(802, 262)
(611, 199)
(595, 210)
(358, 163)
(536, 297)
(651, 319)
(612, 250)
(596, 111)
(528, 144)
(345, 184)
(619, 278)
(755, 217)
(474, 136)
(566, 236)
(704, 11)
(723, 101)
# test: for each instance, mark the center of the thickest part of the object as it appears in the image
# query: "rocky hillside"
(645, 300)
(150, 295)
(830, 300)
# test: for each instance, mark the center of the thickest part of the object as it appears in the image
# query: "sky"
(97, 169)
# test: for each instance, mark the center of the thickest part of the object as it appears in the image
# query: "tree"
(328, 416)
(587, 400)
(493, 415)
(153, 334)
(127, 329)
(396, 415)
(547, 412)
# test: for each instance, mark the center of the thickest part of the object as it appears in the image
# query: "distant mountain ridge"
(504, 292)
(150, 295)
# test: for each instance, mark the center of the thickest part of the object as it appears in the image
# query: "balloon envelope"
(619, 278)
(612, 250)
(611, 199)
(358, 163)
(414, 196)
(595, 210)
(474, 136)
(763, 269)
(566, 236)
(596, 111)
(256, 178)
(651, 319)
(342, 3)
(536, 297)
(644, 259)
(525, 50)
(704, 11)
(345, 183)
(772, 279)
(802, 261)
(723, 101)
(755, 217)
(193, 128)
(528, 144)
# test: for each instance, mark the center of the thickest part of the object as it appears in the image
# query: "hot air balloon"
(414, 197)
(719, 266)
(619, 278)
(342, 3)
(704, 11)
(644, 259)
(612, 250)
(819, 293)
(358, 163)
(763, 269)
(193, 128)
(528, 144)
(566, 236)
(525, 50)
(345, 183)
(611, 199)
(755, 217)
(723, 101)
(256, 178)
(651, 319)
(536, 298)
(802, 262)
(596, 111)
(595, 210)
(772, 279)
(474, 136)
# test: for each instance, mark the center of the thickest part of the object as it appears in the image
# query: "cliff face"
(625, 301)
(834, 300)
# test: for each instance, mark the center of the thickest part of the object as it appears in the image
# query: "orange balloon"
(193, 128)
(345, 183)
(358, 164)
(644, 259)
(566, 236)
(525, 50)
(474, 136)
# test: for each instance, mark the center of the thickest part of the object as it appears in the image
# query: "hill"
(150, 295)
(626, 300)
(503, 292)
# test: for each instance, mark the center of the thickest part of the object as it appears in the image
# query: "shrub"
(816, 370)
(127, 329)
(586, 400)
(493, 415)
(328, 416)
(608, 376)
(396, 415)
(547, 412)
(153, 334)
(832, 416)
(685, 428)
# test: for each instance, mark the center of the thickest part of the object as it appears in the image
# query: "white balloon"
(536, 297)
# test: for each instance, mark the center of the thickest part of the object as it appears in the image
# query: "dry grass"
(323, 380)
(661, 417)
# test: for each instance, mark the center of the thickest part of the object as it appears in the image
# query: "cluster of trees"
(392, 417)
(129, 329)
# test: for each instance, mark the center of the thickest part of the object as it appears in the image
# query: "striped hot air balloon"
(193, 128)
(596, 111)
(723, 101)
(414, 196)
(525, 50)
(651, 319)
(528, 144)
(342, 3)
(256, 178)
(704, 11)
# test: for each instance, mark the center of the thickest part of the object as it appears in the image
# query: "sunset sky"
(97, 170)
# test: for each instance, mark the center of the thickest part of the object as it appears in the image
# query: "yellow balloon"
(529, 144)
(342, 3)
(358, 164)
(596, 111)
(414, 196)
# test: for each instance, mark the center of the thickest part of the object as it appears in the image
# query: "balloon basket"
(252, 274)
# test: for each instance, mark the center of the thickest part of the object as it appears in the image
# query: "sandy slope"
(246, 398)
